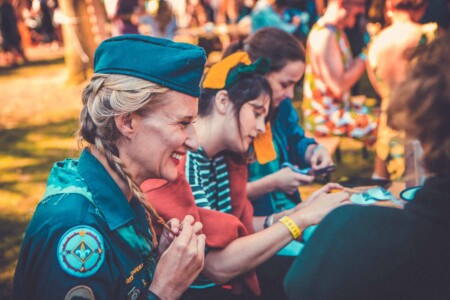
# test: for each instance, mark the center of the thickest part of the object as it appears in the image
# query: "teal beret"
(177, 66)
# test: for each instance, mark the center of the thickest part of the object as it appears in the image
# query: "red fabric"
(175, 200)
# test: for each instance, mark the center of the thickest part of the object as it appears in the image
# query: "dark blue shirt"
(85, 236)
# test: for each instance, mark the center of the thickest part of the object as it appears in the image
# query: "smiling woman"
(92, 234)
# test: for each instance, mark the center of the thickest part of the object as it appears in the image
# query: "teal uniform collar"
(116, 213)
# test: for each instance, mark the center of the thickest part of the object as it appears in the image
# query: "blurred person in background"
(387, 66)
(120, 12)
(372, 252)
(10, 37)
(331, 71)
(163, 23)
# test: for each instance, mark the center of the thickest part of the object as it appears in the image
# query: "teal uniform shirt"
(290, 143)
(85, 239)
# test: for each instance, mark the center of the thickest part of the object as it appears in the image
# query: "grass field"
(38, 120)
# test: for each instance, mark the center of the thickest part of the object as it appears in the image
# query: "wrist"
(162, 291)
(317, 148)
(152, 296)
(293, 228)
(268, 221)
(302, 219)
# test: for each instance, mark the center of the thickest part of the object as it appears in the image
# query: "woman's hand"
(288, 181)
(182, 260)
(320, 203)
(167, 237)
(320, 158)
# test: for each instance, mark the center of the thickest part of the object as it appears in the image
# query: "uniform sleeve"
(57, 261)
(287, 119)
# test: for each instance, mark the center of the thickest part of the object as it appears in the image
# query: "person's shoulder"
(320, 34)
(357, 219)
(63, 210)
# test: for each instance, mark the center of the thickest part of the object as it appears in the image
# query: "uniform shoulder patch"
(80, 251)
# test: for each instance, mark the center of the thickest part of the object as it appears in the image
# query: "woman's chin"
(170, 175)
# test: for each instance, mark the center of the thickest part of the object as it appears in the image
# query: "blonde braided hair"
(104, 98)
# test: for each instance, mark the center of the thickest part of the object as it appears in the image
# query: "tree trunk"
(83, 30)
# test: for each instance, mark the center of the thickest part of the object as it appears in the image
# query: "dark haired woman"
(272, 188)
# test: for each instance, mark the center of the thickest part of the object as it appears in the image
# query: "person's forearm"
(352, 75)
(343, 83)
(246, 253)
(258, 222)
(262, 186)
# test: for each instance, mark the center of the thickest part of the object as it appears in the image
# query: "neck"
(331, 16)
(119, 181)
(401, 17)
(210, 135)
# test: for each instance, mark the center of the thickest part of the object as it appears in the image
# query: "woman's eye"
(257, 114)
(184, 124)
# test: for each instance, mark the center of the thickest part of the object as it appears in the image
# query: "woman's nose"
(192, 141)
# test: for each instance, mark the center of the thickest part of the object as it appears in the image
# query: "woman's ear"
(222, 102)
(124, 123)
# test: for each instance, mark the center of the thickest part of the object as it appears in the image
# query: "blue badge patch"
(80, 251)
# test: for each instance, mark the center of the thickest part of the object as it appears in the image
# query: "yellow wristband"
(291, 226)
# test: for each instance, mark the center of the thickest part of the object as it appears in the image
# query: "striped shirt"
(208, 178)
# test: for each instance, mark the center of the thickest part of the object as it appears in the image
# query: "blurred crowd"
(333, 70)
(26, 23)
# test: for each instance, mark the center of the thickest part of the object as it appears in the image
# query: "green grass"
(26, 157)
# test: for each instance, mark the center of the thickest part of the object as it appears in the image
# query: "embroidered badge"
(80, 292)
(80, 251)
(134, 294)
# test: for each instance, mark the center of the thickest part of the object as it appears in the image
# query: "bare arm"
(246, 253)
(327, 62)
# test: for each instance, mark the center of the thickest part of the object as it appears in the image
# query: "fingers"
(321, 159)
(201, 243)
(186, 231)
(342, 196)
(174, 225)
(197, 228)
(330, 186)
(324, 189)
(188, 219)
(304, 178)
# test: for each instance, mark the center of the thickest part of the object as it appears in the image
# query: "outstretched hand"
(321, 202)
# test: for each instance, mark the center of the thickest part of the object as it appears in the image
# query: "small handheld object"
(305, 171)
(323, 171)
(309, 171)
